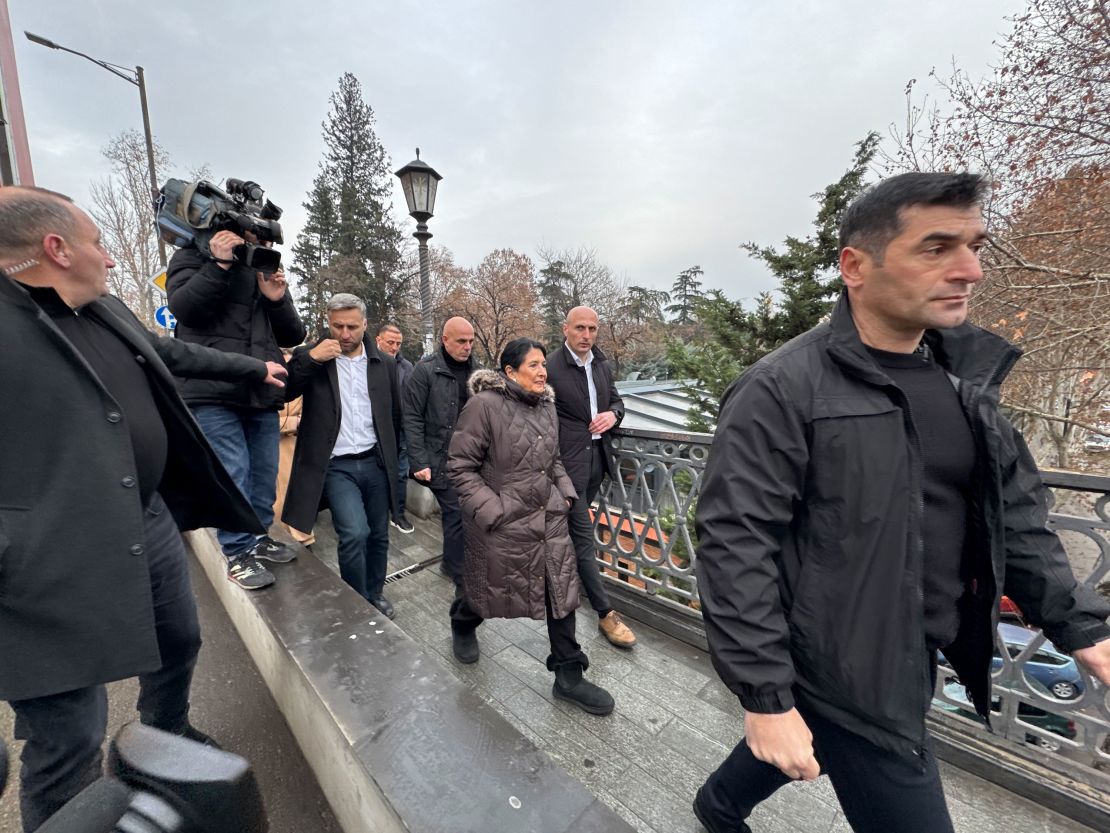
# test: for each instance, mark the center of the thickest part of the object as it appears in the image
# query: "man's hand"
(222, 246)
(272, 286)
(325, 351)
(603, 422)
(423, 474)
(273, 371)
(784, 741)
(1097, 660)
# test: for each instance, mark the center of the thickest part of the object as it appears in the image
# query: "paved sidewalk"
(674, 721)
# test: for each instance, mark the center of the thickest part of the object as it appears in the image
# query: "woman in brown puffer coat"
(504, 463)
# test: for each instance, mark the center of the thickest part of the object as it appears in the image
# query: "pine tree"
(558, 294)
(350, 241)
(732, 338)
(685, 294)
(808, 270)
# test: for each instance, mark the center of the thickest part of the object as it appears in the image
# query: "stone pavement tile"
(625, 813)
(648, 798)
(605, 660)
(707, 753)
(711, 721)
(657, 660)
(639, 708)
(585, 755)
(716, 694)
(799, 806)
(528, 670)
(680, 775)
(488, 675)
(978, 806)
(536, 644)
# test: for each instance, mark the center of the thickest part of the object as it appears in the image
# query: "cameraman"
(218, 302)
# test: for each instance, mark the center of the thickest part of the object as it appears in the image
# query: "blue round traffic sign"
(164, 317)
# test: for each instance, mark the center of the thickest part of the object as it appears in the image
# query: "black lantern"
(419, 180)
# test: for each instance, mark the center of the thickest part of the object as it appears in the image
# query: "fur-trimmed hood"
(483, 380)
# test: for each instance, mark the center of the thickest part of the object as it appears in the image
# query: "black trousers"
(451, 518)
(582, 533)
(64, 732)
(565, 649)
(878, 790)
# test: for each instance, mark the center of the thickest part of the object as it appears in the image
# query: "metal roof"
(656, 406)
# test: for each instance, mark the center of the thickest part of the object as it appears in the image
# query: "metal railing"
(643, 527)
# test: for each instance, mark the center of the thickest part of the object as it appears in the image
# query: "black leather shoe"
(382, 604)
(465, 646)
(712, 825)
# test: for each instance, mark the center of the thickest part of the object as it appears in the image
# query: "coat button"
(114, 416)
(127, 482)
(137, 550)
(140, 359)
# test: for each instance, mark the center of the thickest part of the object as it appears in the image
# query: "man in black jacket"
(865, 504)
(347, 445)
(102, 463)
(222, 304)
(589, 407)
(389, 341)
(434, 396)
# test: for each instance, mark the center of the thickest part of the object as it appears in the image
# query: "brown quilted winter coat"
(513, 490)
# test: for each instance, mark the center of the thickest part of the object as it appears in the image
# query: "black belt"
(362, 455)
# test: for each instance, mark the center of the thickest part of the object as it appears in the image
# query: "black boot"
(465, 646)
(570, 686)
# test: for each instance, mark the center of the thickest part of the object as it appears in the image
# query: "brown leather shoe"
(616, 631)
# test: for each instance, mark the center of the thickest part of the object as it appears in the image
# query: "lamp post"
(419, 181)
(132, 76)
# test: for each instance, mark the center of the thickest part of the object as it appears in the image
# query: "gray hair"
(27, 215)
(345, 300)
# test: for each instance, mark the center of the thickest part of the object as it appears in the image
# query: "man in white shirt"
(589, 407)
(347, 444)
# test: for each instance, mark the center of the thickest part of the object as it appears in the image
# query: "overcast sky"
(663, 134)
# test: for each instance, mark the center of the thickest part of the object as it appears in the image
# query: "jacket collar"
(569, 356)
(439, 364)
(483, 380)
(967, 352)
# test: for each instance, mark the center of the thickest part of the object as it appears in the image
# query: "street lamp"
(419, 180)
(132, 76)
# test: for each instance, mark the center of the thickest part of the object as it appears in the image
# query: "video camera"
(161, 783)
(192, 212)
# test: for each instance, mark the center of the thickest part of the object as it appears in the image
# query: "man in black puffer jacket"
(222, 304)
(865, 504)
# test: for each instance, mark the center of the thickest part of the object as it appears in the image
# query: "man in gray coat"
(104, 464)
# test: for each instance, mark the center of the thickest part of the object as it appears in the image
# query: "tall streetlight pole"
(131, 76)
(420, 181)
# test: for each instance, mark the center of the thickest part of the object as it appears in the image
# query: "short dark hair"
(875, 217)
(515, 351)
(27, 214)
(389, 328)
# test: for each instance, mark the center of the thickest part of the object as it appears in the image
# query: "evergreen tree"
(732, 338)
(350, 242)
(558, 295)
(808, 270)
(685, 294)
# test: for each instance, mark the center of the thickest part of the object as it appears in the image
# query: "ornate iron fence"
(644, 531)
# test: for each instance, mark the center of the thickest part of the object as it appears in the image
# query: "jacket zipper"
(919, 465)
